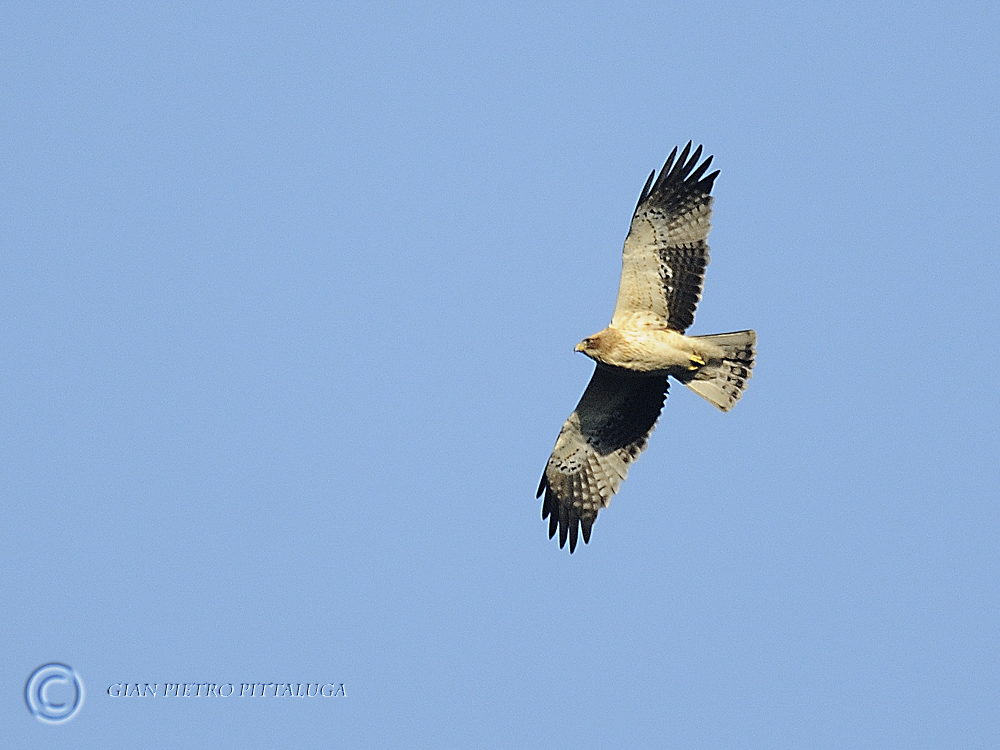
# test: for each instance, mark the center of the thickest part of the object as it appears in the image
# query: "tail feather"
(723, 377)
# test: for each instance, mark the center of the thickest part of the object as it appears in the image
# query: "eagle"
(663, 268)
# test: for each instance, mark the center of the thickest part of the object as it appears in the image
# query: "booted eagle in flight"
(663, 267)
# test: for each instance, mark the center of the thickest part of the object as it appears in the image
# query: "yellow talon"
(696, 362)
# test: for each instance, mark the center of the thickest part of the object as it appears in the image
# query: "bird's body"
(645, 348)
(663, 266)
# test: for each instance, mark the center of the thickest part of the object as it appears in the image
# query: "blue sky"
(289, 300)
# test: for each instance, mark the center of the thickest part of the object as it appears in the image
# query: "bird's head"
(601, 346)
(592, 346)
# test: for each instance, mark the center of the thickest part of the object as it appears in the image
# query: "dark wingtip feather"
(696, 174)
(645, 189)
(669, 162)
(695, 156)
(549, 511)
(587, 524)
(541, 486)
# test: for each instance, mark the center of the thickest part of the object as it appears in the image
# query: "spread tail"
(723, 377)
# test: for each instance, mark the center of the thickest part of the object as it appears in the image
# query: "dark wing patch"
(682, 271)
(666, 251)
(605, 433)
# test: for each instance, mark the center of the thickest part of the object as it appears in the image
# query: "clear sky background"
(288, 300)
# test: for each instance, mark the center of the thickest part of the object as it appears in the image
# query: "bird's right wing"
(665, 254)
(605, 433)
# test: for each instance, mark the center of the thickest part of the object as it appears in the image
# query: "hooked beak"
(580, 347)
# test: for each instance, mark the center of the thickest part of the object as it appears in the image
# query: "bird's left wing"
(605, 433)
(665, 254)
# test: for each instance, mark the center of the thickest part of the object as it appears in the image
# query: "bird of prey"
(663, 266)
